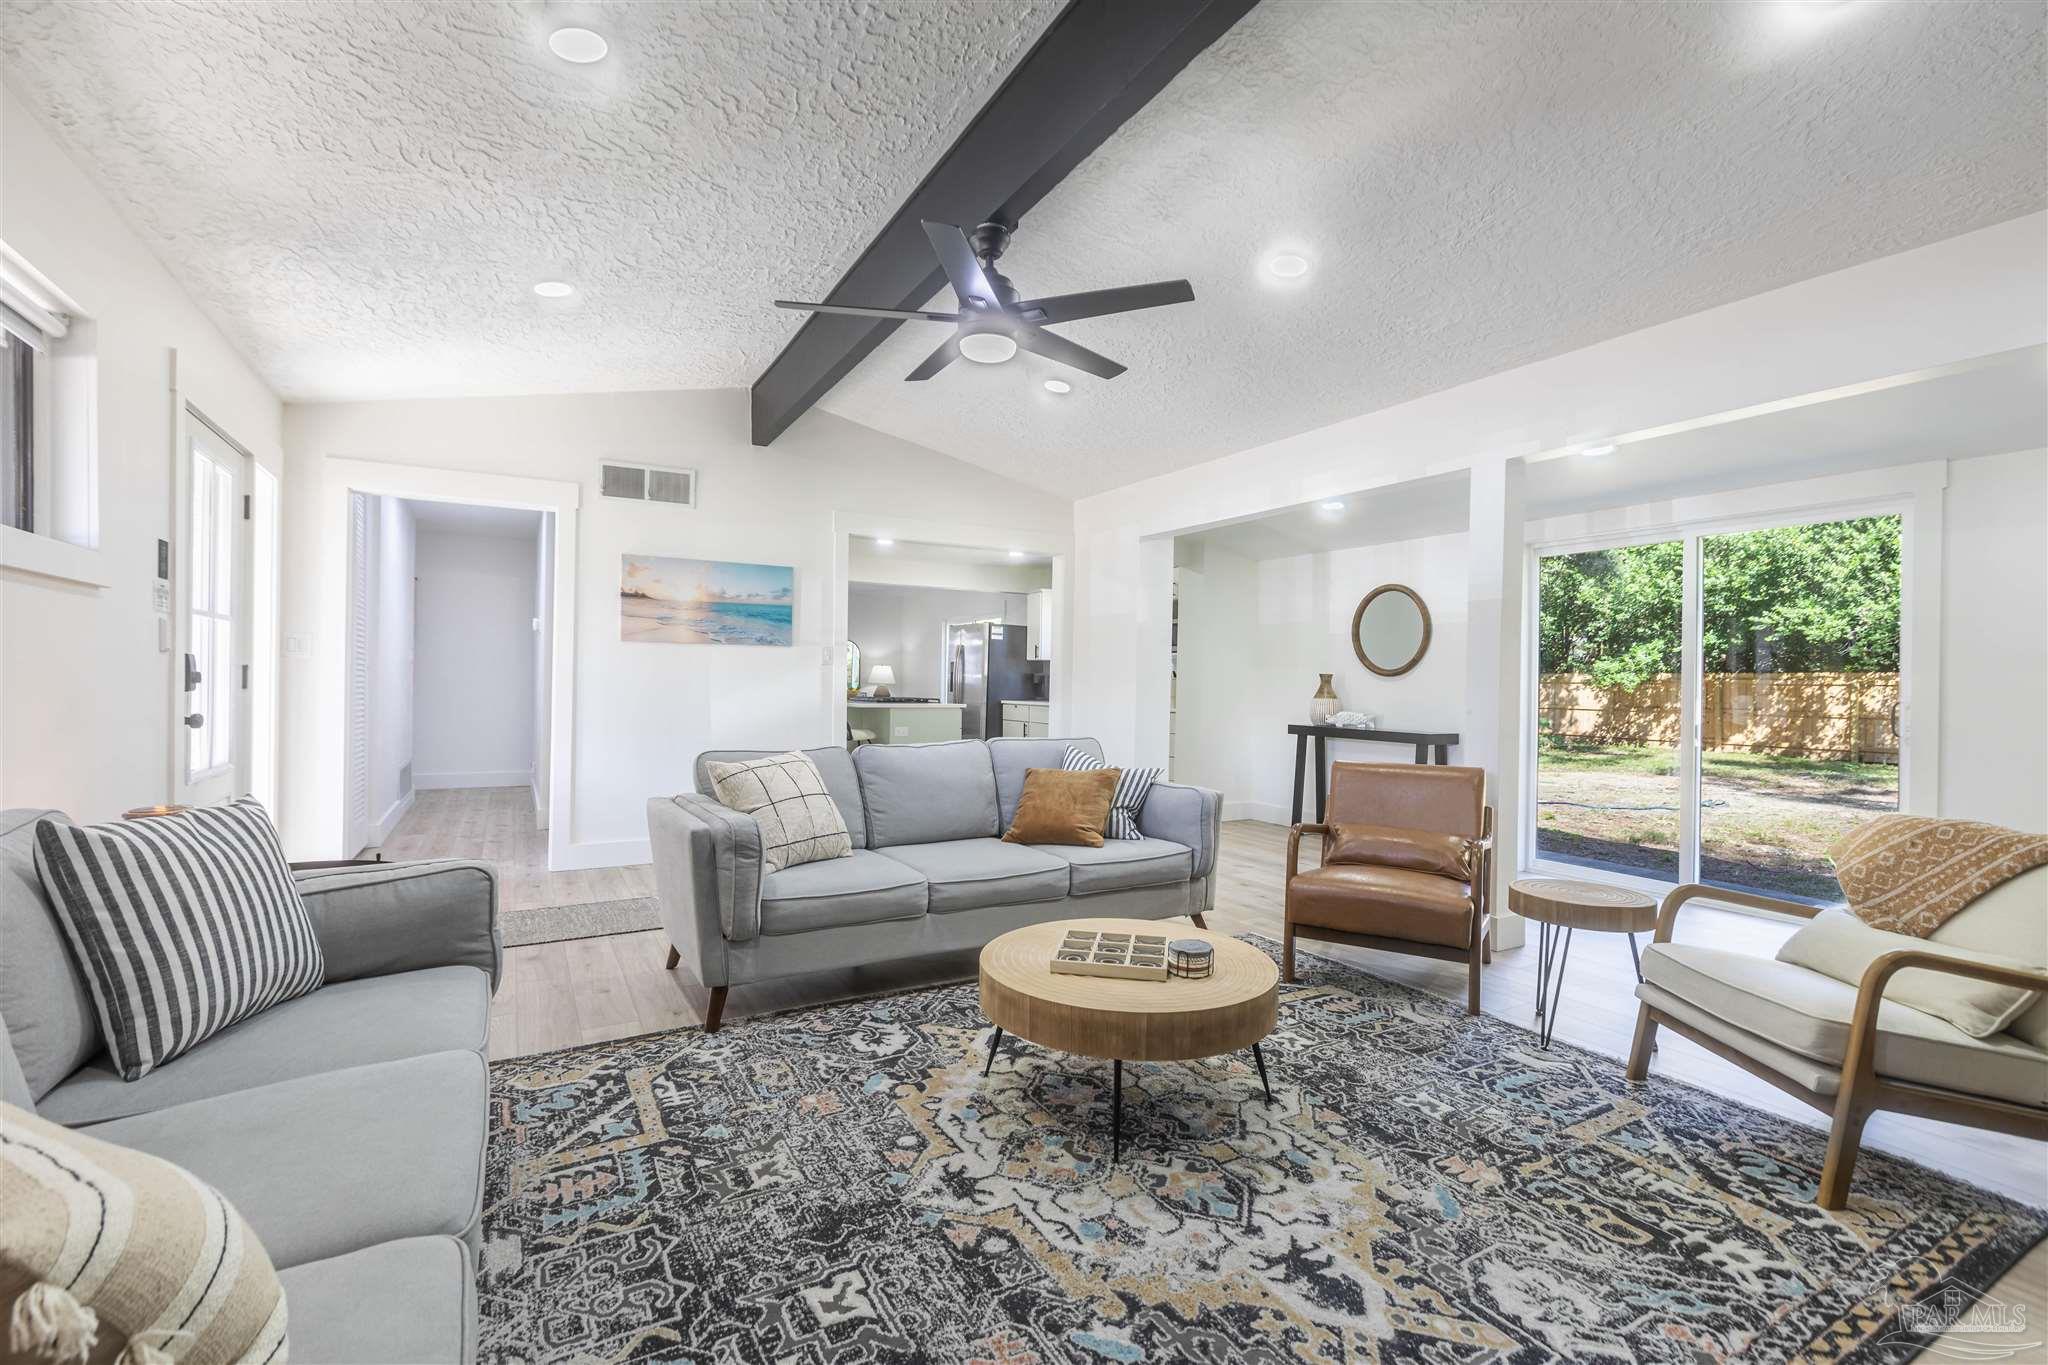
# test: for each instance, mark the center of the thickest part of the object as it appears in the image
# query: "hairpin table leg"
(1116, 1113)
(994, 1042)
(1260, 1058)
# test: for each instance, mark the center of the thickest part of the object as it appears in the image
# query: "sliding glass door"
(1799, 699)
(1609, 654)
(1718, 707)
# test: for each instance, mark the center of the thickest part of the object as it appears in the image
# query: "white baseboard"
(384, 827)
(434, 782)
(540, 804)
(621, 853)
(1255, 810)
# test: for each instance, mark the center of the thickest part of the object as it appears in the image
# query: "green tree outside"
(1788, 599)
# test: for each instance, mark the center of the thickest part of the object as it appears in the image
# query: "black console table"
(1424, 744)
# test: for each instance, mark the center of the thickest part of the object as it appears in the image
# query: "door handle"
(193, 677)
(195, 720)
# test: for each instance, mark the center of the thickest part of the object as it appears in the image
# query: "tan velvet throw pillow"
(109, 1253)
(1414, 850)
(1060, 807)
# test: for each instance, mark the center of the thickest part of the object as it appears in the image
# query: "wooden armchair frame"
(1476, 954)
(1862, 1091)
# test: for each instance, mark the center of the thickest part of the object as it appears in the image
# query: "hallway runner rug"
(843, 1184)
(553, 923)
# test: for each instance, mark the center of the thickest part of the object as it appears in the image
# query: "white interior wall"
(1254, 635)
(543, 655)
(392, 551)
(904, 627)
(473, 684)
(1994, 641)
(642, 711)
(1974, 295)
(91, 654)
(906, 566)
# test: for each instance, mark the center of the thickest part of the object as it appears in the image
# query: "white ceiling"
(363, 194)
(928, 552)
(471, 519)
(1478, 186)
(1996, 406)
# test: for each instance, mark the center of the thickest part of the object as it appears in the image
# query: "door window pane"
(1799, 699)
(210, 747)
(1607, 785)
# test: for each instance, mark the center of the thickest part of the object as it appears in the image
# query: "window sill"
(51, 558)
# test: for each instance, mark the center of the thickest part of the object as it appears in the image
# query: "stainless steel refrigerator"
(987, 664)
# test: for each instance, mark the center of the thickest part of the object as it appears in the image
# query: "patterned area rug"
(553, 923)
(843, 1184)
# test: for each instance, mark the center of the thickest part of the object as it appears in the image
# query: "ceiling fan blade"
(1067, 353)
(962, 266)
(937, 360)
(855, 310)
(1098, 302)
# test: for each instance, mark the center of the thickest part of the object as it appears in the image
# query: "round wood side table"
(1120, 1020)
(1561, 908)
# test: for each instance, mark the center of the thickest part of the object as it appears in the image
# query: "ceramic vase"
(1324, 703)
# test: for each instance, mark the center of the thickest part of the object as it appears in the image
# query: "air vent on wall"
(648, 483)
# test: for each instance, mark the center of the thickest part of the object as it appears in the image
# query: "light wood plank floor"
(590, 990)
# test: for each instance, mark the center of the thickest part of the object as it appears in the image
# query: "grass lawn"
(1766, 822)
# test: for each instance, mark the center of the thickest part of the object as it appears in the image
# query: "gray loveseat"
(347, 1126)
(929, 871)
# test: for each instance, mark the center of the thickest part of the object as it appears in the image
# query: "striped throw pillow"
(1130, 792)
(112, 1253)
(184, 923)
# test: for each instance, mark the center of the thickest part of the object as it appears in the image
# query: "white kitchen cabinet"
(1027, 719)
(1038, 624)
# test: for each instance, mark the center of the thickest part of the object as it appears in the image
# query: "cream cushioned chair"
(1846, 1049)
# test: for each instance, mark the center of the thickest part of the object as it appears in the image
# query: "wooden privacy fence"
(1851, 716)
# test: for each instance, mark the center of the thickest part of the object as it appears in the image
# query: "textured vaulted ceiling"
(363, 193)
(1478, 186)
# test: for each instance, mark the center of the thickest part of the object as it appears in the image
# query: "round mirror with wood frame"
(1390, 630)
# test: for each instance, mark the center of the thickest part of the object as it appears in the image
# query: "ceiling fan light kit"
(993, 323)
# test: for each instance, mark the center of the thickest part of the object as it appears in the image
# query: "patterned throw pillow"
(184, 923)
(1130, 791)
(800, 822)
(110, 1252)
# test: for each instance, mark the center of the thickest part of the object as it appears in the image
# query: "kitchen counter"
(905, 722)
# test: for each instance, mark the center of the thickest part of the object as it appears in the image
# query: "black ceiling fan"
(993, 322)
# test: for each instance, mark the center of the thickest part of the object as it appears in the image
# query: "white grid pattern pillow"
(800, 822)
(1130, 792)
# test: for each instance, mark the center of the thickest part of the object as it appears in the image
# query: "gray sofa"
(347, 1126)
(929, 871)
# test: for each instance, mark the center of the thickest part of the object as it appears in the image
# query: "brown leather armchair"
(1407, 860)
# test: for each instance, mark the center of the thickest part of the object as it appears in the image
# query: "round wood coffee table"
(1122, 1020)
(1562, 907)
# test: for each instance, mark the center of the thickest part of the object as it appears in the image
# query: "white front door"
(209, 743)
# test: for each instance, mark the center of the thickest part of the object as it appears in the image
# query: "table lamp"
(880, 677)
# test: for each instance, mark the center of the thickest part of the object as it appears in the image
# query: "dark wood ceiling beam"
(1098, 63)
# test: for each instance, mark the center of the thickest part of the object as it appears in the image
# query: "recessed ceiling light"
(1597, 451)
(1016, 554)
(1333, 505)
(578, 45)
(1058, 386)
(1287, 266)
(987, 348)
(554, 289)
(883, 542)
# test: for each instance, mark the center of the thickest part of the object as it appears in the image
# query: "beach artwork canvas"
(705, 601)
